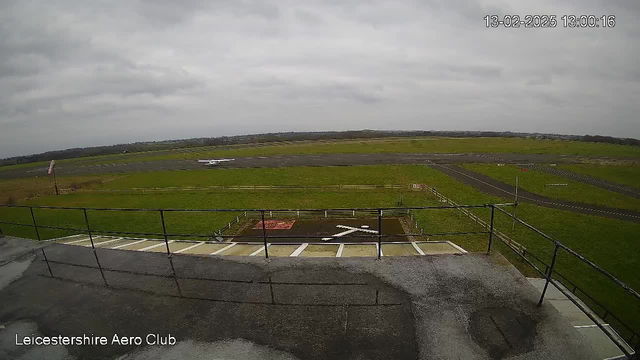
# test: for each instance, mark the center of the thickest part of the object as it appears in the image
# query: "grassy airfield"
(362, 146)
(609, 243)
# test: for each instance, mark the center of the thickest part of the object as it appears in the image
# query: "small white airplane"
(214, 162)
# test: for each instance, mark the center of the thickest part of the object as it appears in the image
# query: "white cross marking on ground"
(349, 231)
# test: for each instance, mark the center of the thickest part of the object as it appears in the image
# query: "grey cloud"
(308, 17)
(317, 91)
(170, 13)
(159, 69)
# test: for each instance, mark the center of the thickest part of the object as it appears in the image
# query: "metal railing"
(262, 213)
(629, 345)
(548, 273)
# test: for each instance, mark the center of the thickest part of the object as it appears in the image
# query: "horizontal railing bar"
(527, 225)
(590, 316)
(242, 210)
(572, 252)
(97, 232)
(601, 270)
(627, 327)
(17, 224)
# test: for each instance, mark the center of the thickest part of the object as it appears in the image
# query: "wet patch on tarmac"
(502, 332)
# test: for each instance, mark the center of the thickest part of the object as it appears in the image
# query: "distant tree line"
(292, 136)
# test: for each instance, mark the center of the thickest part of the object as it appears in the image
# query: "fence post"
(164, 232)
(86, 220)
(493, 210)
(264, 236)
(35, 225)
(549, 274)
(379, 233)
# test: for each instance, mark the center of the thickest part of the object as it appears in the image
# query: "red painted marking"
(524, 169)
(275, 224)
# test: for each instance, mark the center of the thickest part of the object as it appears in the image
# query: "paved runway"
(498, 188)
(290, 160)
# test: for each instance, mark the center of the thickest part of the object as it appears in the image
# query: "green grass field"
(609, 243)
(621, 174)
(384, 145)
(15, 190)
(416, 145)
(332, 175)
(534, 181)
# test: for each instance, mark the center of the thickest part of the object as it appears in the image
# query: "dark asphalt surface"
(607, 185)
(320, 228)
(289, 160)
(498, 188)
(428, 307)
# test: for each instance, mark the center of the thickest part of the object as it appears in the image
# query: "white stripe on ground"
(66, 237)
(588, 326)
(415, 246)
(127, 244)
(223, 249)
(299, 250)
(188, 248)
(259, 250)
(457, 247)
(340, 234)
(357, 229)
(76, 241)
(156, 245)
(340, 249)
(106, 242)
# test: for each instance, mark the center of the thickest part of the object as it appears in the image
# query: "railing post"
(264, 236)
(549, 274)
(164, 232)
(35, 225)
(493, 210)
(47, 261)
(93, 247)
(379, 233)
(86, 220)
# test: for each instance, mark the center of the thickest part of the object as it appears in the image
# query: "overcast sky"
(89, 72)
